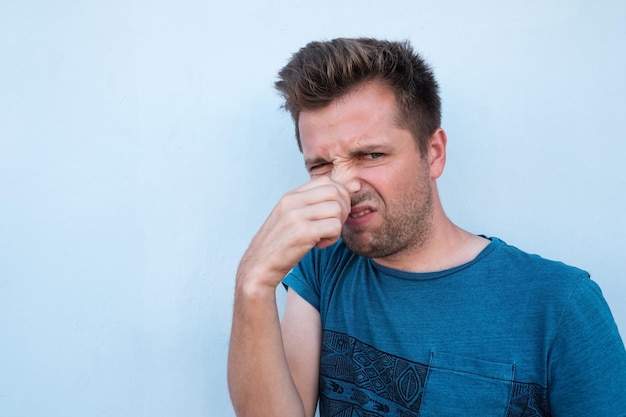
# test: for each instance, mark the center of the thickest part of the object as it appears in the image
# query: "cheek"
(397, 184)
(383, 184)
(397, 177)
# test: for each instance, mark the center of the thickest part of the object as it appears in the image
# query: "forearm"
(259, 376)
(259, 379)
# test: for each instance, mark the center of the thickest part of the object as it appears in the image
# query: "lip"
(360, 215)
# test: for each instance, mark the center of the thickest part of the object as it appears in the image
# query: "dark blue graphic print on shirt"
(358, 380)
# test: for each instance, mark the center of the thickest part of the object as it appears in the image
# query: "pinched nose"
(346, 177)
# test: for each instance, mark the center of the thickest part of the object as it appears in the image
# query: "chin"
(366, 249)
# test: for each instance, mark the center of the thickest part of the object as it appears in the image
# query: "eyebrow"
(371, 149)
(308, 163)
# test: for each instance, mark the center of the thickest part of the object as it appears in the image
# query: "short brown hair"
(324, 71)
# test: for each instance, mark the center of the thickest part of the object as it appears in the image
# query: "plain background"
(142, 145)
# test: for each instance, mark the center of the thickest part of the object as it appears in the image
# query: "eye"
(319, 168)
(374, 155)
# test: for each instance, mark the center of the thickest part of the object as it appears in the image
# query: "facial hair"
(407, 222)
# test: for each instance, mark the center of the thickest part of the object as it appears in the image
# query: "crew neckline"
(423, 276)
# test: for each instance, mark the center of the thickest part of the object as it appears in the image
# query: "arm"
(587, 365)
(302, 338)
(269, 376)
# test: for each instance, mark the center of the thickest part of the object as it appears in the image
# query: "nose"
(347, 177)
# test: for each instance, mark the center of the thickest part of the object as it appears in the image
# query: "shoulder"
(320, 269)
(527, 263)
(532, 276)
(323, 262)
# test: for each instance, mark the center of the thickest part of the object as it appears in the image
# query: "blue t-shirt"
(507, 334)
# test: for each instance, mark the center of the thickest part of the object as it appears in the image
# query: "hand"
(311, 215)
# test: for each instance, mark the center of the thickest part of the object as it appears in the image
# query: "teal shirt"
(507, 334)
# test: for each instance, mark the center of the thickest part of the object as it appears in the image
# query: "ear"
(437, 153)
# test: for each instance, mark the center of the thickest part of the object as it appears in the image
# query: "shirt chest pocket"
(461, 386)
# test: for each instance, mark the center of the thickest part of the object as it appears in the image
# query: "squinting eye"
(318, 167)
(374, 155)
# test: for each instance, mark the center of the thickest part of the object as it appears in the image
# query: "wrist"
(257, 283)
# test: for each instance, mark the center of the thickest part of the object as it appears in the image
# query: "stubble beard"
(407, 224)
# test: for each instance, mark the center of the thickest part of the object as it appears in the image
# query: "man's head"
(322, 72)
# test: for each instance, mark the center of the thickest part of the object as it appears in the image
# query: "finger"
(328, 232)
(315, 182)
(330, 192)
(331, 209)
(325, 191)
(322, 182)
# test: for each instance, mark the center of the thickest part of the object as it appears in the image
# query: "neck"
(446, 246)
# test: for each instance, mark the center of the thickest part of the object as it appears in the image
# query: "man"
(393, 310)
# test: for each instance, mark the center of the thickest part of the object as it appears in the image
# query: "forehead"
(368, 113)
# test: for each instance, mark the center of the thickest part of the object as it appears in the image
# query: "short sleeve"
(304, 280)
(587, 359)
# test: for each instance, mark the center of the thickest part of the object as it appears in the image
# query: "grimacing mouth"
(360, 212)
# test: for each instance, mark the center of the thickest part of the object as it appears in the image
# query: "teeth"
(360, 213)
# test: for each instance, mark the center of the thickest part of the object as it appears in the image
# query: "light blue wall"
(141, 145)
